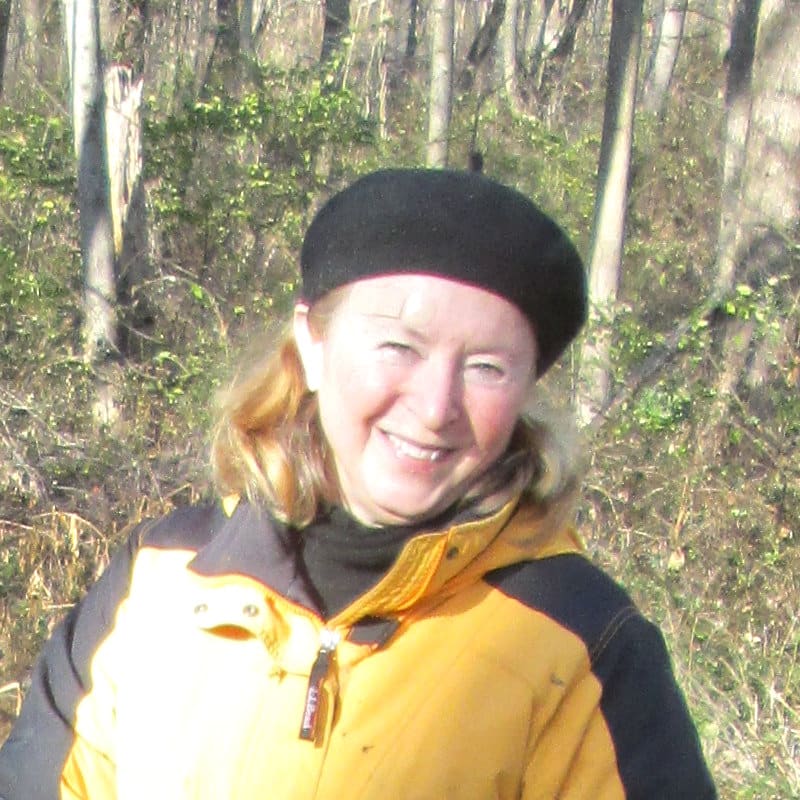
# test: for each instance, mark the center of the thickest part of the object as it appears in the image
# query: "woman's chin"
(397, 509)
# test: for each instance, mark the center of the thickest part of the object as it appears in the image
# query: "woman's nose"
(436, 393)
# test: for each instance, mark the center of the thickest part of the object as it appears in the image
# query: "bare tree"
(441, 82)
(665, 54)
(123, 124)
(772, 187)
(555, 39)
(508, 51)
(761, 182)
(738, 100)
(483, 43)
(599, 12)
(540, 40)
(82, 30)
(608, 229)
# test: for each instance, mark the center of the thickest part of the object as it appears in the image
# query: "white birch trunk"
(556, 40)
(441, 82)
(123, 104)
(82, 29)
(608, 230)
(659, 78)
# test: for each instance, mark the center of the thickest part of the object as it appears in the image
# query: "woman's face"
(420, 381)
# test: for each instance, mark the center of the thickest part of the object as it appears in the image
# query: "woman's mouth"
(415, 451)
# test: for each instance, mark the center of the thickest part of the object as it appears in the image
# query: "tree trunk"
(524, 26)
(123, 100)
(555, 43)
(772, 186)
(337, 26)
(738, 100)
(732, 336)
(265, 12)
(127, 197)
(483, 43)
(228, 27)
(5, 19)
(608, 229)
(761, 187)
(411, 33)
(564, 43)
(599, 12)
(97, 241)
(441, 82)
(246, 28)
(223, 63)
(508, 51)
(665, 54)
(535, 60)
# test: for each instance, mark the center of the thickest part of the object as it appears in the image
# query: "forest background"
(158, 167)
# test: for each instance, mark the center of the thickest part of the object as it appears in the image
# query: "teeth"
(413, 451)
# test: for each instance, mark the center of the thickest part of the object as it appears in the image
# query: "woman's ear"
(309, 346)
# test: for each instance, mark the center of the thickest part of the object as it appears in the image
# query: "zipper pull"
(319, 672)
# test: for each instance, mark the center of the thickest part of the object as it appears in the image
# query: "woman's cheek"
(367, 384)
(493, 422)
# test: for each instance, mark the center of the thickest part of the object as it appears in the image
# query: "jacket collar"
(251, 543)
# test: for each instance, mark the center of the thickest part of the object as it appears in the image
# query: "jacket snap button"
(452, 553)
(250, 610)
(200, 608)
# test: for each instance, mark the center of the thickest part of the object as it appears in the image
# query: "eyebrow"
(376, 315)
(500, 349)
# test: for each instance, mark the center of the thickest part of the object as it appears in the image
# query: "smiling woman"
(415, 400)
(388, 600)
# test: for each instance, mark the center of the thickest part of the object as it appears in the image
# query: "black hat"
(459, 225)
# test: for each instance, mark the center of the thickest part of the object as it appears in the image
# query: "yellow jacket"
(492, 661)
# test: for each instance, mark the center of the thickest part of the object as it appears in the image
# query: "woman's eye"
(397, 347)
(396, 350)
(486, 370)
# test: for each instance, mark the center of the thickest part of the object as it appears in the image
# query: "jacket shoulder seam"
(617, 622)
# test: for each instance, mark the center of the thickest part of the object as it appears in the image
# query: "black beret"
(459, 225)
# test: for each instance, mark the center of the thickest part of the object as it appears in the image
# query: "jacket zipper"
(309, 727)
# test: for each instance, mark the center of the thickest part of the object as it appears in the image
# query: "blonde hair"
(269, 445)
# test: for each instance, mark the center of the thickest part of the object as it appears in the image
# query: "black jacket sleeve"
(33, 757)
(657, 747)
(649, 741)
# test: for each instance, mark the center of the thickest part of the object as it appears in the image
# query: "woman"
(390, 601)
